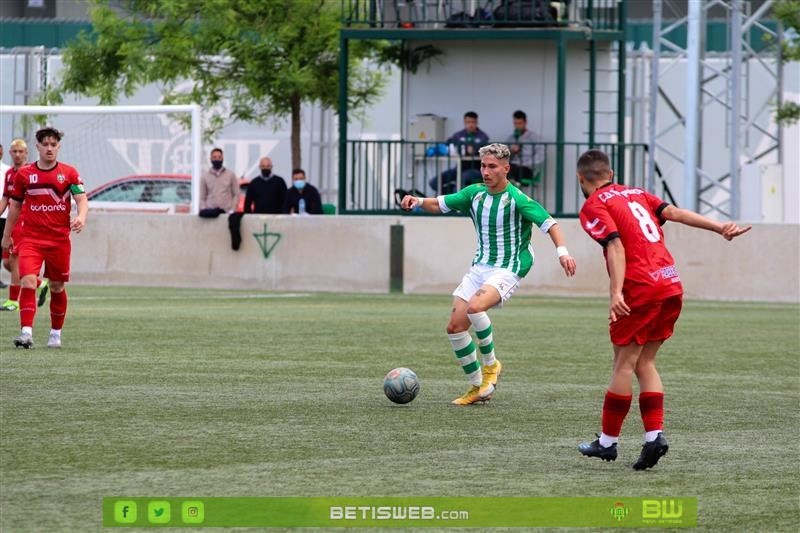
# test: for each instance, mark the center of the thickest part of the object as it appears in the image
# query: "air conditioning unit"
(428, 128)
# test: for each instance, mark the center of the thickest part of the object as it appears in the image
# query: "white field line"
(196, 297)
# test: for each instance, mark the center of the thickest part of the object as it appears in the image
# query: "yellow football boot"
(469, 397)
(491, 373)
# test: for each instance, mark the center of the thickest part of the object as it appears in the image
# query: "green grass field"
(162, 392)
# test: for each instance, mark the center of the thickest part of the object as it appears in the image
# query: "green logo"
(158, 512)
(192, 512)
(267, 241)
(619, 511)
(125, 512)
(668, 509)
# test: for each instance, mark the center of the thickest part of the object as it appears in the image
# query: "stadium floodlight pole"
(196, 128)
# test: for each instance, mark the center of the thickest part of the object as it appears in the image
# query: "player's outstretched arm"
(731, 230)
(566, 260)
(728, 230)
(429, 205)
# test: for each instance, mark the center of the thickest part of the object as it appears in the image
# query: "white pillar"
(692, 112)
(197, 155)
(736, 106)
(651, 112)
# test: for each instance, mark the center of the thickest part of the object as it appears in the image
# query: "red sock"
(27, 306)
(651, 405)
(615, 409)
(58, 308)
(13, 292)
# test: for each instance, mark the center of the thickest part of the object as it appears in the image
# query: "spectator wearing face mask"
(302, 198)
(219, 188)
(219, 194)
(266, 192)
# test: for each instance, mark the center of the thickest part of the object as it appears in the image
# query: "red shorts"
(650, 322)
(54, 254)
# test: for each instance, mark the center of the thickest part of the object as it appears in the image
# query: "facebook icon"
(125, 512)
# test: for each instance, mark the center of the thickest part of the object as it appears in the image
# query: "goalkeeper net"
(109, 143)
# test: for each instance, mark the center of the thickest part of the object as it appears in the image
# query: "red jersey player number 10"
(40, 206)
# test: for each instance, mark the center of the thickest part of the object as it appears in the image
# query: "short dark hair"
(298, 171)
(520, 114)
(43, 133)
(593, 165)
(217, 150)
(471, 114)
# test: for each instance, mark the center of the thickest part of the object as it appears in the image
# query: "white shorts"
(505, 281)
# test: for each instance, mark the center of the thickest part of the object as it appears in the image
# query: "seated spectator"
(302, 198)
(219, 194)
(219, 188)
(266, 192)
(467, 142)
(524, 157)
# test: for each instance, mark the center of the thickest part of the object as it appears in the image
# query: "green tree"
(265, 57)
(788, 13)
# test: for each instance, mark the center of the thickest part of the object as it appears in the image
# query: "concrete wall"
(313, 253)
(351, 254)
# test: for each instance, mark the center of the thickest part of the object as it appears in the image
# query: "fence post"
(396, 253)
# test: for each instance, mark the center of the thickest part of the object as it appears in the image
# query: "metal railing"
(377, 170)
(597, 14)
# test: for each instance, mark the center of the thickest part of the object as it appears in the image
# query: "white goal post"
(195, 131)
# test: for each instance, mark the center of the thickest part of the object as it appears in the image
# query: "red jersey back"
(46, 197)
(634, 216)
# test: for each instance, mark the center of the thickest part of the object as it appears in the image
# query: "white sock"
(607, 440)
(466, 355)
(483, 330)
(27, 329)
(650, 436)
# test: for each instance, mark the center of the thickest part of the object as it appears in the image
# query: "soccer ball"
(401, 385)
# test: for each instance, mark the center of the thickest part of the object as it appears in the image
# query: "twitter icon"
(158, 512)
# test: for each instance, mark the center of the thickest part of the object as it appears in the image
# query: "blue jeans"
(449, 178)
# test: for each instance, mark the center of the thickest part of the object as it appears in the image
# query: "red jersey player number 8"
(646, 223)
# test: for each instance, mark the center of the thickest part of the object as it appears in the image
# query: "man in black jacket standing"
(266, 192)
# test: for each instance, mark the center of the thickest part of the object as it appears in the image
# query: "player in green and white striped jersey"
(503, 217)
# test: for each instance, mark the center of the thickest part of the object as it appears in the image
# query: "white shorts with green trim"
(502, 279)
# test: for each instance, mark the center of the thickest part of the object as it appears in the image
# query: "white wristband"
(562, 251)
(420, 200)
